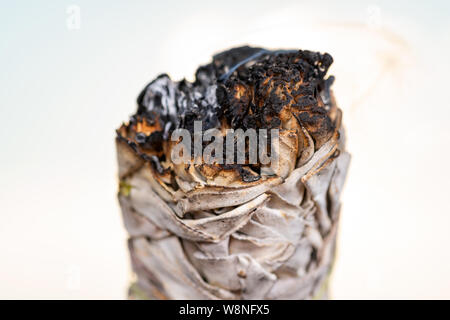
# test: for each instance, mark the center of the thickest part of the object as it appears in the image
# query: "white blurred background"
(71, 71)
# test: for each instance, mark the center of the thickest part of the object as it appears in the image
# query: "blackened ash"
(247, 88)
(277, 85)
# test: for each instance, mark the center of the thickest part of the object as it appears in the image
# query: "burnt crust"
(267, 93)
(243, 87)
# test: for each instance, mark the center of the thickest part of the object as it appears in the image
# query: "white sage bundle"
(203, 229)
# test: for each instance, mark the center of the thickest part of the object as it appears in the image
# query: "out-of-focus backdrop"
(71, 71)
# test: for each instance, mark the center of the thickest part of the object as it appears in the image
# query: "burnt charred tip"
(275, 85)
(244, 87)
(250, 86)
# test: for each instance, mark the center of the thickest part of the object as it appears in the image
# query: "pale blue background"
(63, 92)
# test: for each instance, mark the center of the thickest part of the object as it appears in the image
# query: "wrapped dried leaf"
(214, 230)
